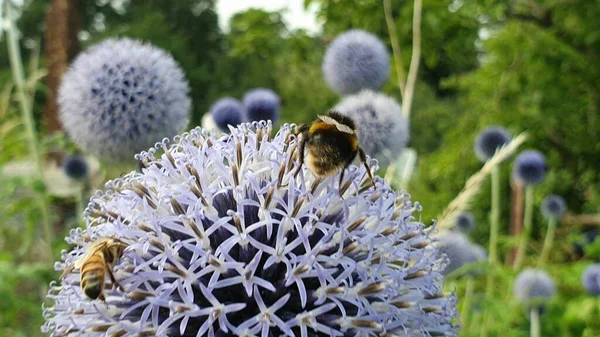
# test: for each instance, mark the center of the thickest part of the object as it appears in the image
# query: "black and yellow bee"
(95, 264)
(332, 145)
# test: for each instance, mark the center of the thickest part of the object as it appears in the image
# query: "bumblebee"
(96, 263)
(332, 145)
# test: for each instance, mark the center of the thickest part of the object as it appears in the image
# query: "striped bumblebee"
(332, 145)
(96, 263)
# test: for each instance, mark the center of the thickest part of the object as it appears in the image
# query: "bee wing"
(95, 247)
(339, 126)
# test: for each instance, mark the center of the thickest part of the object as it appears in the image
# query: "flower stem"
(494, 214)
(548, 241)
(535, 322)
(466, 306)
(389, 19)
(526, 227)
(16, 64)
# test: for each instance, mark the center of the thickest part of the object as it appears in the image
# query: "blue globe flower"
(225, 240)
(530, 168)
(121, 96)
(382, 130)
(488, 141)
(75, 167)
(227, 111)
(465, 222)
(261, 105)
(356, 60)
(553, 207)
(533, 287)
(459, 251)
(591, 279)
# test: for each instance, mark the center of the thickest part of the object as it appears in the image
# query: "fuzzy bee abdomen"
(93, 274)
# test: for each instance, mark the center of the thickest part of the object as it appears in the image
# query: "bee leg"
(301, 145)
(67, 271)
(102, 298)
(340, 183)
(114, 280)
(363, 158)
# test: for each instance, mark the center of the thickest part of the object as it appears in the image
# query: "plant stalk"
(548, 242)
(389, 19)
(16, 64)
(414, 60)
(535, 322)
(466, 306)
(526, 227)
(494, 215)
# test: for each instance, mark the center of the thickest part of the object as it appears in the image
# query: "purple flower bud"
(225, 240)
(75, 167)
(121, 96)
(465, 222)
(553, 207)
(356, 60)
(530, 167)
(261, 105)
(591, 279)
(489, 141)
(227, 111)
(533, 287)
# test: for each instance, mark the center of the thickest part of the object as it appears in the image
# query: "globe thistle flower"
(530, 167)
(591, 279)
(382, 129)
(465, 222)
(225, 239)
(553, 207)
(121, 96)
(488, 141)
(533, 287)
(227, 111)
(459, 250)
(75, 167)
(356, 60)
(261, 105)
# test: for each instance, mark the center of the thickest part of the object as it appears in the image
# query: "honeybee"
(96, 263)
(332, 145)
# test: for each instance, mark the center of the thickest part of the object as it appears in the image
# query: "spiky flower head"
(459, 250)
(533, 287)
(227, 111)
(591, 279)
(382, 129)
(356, 60)
(553, 207)
(530, 167)
(225, 240)
(465, 222)
(490, 140)
(261, 104)
(121, 96)
(75, 167)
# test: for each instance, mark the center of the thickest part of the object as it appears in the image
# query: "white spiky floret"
(224, 239)
(120, 96)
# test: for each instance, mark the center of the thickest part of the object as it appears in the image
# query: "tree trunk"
(61, 46)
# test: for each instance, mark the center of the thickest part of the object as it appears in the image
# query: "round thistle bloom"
(488, 141)
(530, 167)
(553, 207)
(382, 130)
(75, 167)
(356, 60)
(533, 287)
(227, 111)
(459, 250)
(591, 279)
(465, 222)
(261, 105)
(224, 239)
(121, 96)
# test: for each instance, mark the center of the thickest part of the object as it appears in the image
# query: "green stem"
(494, 215)
(526, 227)
(16, 64)
(79, 207)
(466, 305)
(548, 241)
(535, 322)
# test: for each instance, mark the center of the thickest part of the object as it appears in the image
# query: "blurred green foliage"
(527, 65)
